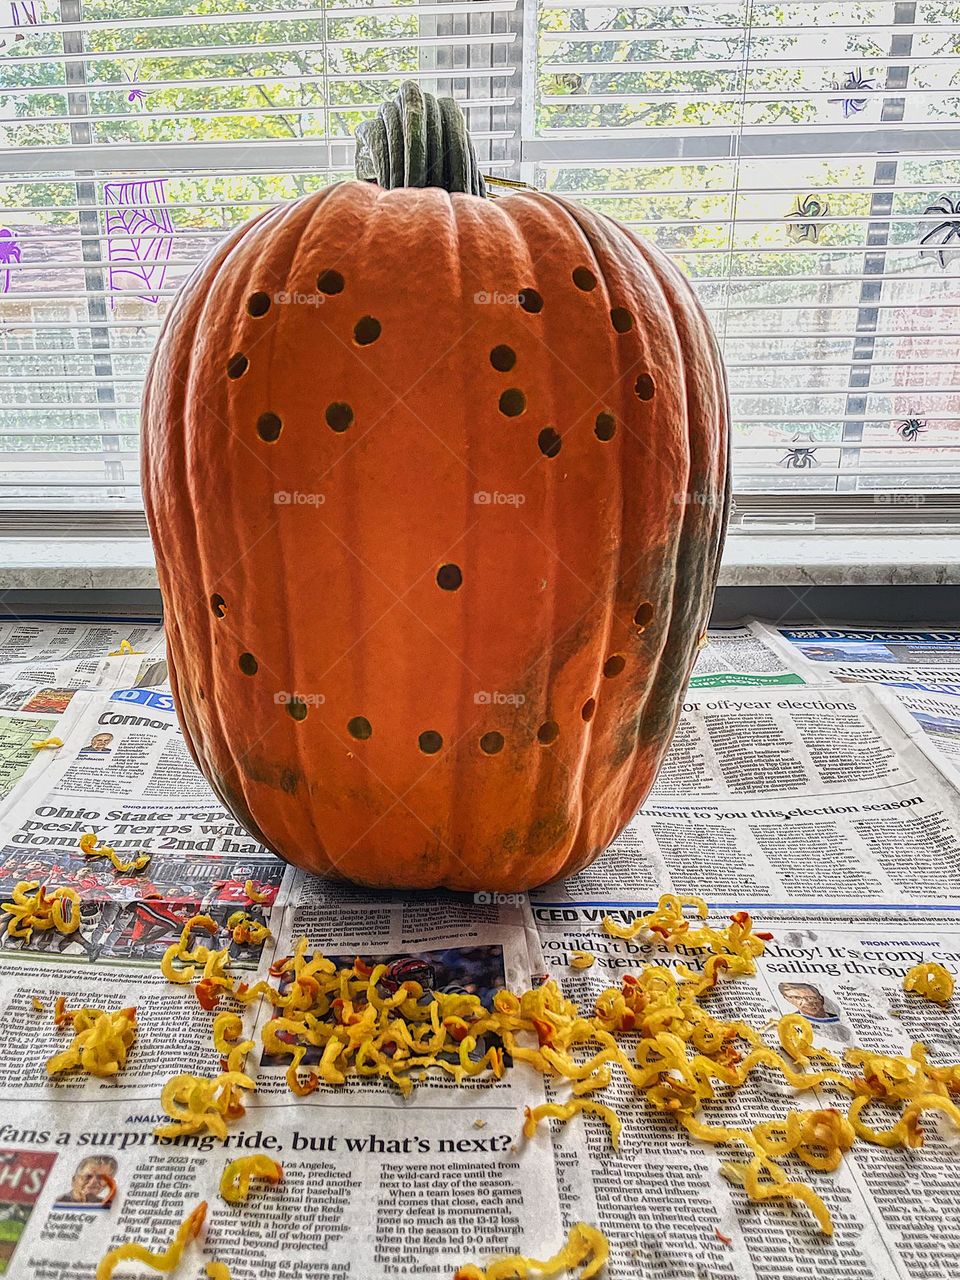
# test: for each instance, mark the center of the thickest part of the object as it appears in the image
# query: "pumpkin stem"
(419, 141)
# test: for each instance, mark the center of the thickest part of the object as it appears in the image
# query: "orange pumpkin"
(437, 487)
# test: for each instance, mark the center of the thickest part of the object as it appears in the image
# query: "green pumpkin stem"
(419, 141)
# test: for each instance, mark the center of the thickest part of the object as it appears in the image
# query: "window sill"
(755, 560)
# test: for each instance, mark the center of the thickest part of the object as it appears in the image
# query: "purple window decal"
(9, 256)
(136, 94)
(23, 13)
(139, 236)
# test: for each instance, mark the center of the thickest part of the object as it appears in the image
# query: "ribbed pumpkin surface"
(455, 654)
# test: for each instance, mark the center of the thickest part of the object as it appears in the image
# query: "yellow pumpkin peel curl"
(101, 1042)
(90, 848)
(253, 893)
(166, 1261)
(32, 907)
(930, 980)
(586, 1247)
(124, 650)
(566, 1110)
(196, 1104)
(236, 1178)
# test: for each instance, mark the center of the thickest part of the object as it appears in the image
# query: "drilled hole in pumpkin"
(330, 282)
(503, 358)
(248, 664)
(588, 708)
(258, 304)
(531, 301)
(606, 427)
(359, 727)
(549, 442)
(491, 743)
(218, 605)
(614, 665)
(512, 402)
(548, 732)
(449, 577)
(584, 279)
(622, 319)
(269, 427)
(237, 365)
(644, 387)
(200, 694)
(430, 742)
(366, 330)
(644, 615)
(339, 416)
(297, 709)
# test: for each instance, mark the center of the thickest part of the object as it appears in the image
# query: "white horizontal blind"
(801, 161)
(135, 134)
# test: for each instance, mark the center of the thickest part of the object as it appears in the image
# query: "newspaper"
(786, 793)
(859, 656)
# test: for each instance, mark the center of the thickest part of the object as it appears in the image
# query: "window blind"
(800, 161)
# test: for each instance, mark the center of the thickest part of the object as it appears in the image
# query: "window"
(801, 161)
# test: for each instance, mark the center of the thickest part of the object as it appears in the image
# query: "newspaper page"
(922, 667)
(741, 654)
(861, 656)
(792, 800)
(662, 1199)
(935, 710)
(44, 661)
(804, 797)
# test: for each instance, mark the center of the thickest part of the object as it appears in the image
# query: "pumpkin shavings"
(245, 928)
(776, 1187)
(254, 894)
(796, 1036)
(43, 744)
(586, 1247)
(180, 950)
(930, 980)
(125, 649)
(235, 1182)
(581, 960)
(90, 848)
(218, 1271)
(566, 1110)
(361, 1020)
(101, 1041)
(227, 1030)
(166, 1261)
(818, 1138)
(891, 1081)
(196, 1104)
(33, 906)
(38, 1004)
